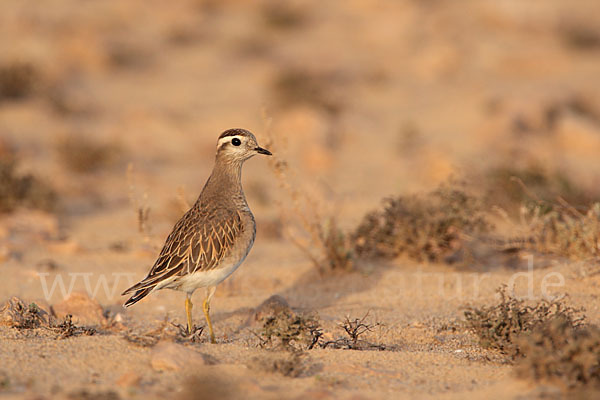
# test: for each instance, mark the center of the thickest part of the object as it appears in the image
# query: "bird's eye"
(236, 142)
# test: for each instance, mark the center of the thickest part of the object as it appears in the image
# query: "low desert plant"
(557, 351)
(82, 154)
(533, 185)
(23, 190)
(580, 36)
(288, 330)
(427, 227)
(67, 328)
(444, 225)
(128, 54)
(4, 381)
(296, 86)
(502, 326)
(563, 231)
(354, 328)
(283, 15)
(16, 314)
(17, 80)
(337, 251)
(320, 239)
(85, 394)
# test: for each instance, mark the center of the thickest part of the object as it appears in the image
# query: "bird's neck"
(225, 182)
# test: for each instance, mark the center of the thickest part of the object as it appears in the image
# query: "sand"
(403, 95)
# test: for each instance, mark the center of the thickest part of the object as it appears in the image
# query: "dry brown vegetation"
(284, 15)
(23, 190)
(338, 253)
(296, 86)
(425, 227)
(18, 315)
(288, 330)
(88, 395)
(442, 225)
(581, 36)
(284, 329)
(428, 227)
(503, 325)
(557, 351)
(321, 240)
(374, 127)
(82, 154)
(354, 328)
(17, 80)
(512, 188)
(549, 341)
(564, 231)
(126, 54)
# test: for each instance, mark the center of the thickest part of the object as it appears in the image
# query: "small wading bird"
(214, 237)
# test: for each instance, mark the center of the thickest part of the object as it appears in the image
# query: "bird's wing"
(198, 242)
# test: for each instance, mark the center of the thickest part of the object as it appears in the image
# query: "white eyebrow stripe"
(228, 139)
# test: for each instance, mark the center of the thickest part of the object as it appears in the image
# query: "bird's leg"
(206, 308)
(188, 311)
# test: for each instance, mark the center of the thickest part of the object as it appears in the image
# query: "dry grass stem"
(319, 238)
(141, 209)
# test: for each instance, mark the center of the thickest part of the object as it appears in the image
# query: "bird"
(213, 238)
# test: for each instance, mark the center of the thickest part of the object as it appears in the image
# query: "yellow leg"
(210, 290)
(206, 308)
(188, 311)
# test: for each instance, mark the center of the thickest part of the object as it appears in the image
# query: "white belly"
(189, 283)
(197, 280)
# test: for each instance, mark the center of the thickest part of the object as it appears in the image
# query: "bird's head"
(238, 145)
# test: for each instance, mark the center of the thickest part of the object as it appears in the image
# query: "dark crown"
(235, 132)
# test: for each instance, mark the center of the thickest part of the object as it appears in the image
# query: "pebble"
(174, 357)
(129, 379)
(84, 309)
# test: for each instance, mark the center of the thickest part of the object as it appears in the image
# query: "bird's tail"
(140, 290)
(140, 294)
(147, 285)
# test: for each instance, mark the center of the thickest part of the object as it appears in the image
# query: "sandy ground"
(407, 94)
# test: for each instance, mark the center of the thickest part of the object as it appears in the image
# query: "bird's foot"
(187, 334)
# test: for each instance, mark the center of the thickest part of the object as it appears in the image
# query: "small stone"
(174, 357)
(6, 313)
(129, 379)
(84, 309)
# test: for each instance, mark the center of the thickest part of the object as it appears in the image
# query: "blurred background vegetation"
(359, 99)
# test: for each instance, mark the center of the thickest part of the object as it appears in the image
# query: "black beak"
(260, 150)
